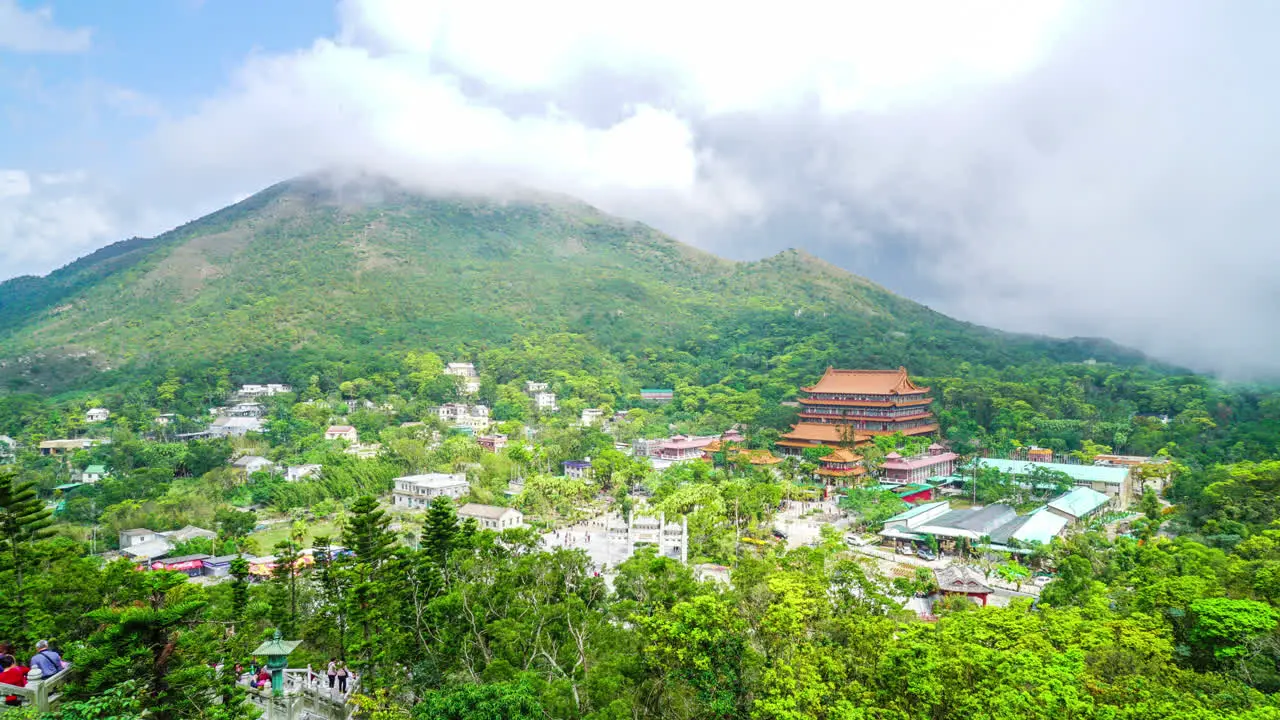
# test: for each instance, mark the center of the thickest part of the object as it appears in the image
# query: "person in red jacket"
(12, 674)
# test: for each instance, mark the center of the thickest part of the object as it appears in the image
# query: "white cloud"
(46, 223)
(1074, 169)
(14, 183)
(35, 31)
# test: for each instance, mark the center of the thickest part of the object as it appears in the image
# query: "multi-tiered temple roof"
(849, 406)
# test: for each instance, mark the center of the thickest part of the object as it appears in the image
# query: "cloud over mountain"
(1072, 169)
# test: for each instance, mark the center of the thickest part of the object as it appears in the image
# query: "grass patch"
(267, 539)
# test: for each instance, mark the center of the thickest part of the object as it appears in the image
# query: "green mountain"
(306, 267)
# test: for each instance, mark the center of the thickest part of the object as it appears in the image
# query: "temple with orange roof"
(848, 407)
(841, 466)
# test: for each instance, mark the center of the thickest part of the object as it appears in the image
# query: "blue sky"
(145, 58)
(1069, 168)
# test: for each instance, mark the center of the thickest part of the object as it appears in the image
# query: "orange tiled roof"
(866, 382)
(821, 432)
(760, 457)
(842, 455)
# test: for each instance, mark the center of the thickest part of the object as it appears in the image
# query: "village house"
(657, 395)
(545, 401)
(591, 416)
(97, 415)
(531, 387)
(234, 426)
(963, 580)
(294, 473)
(937, 461)
(492, 517)
(250, 464)
(93, 474)
(62, 447)
(165, 419)
(245, 410)
(576, 469)
(492, 443)
(188, 532)
(417, 491)
(848, 407)
(8, 449)
(466, 371)
(474, 418)
(268, 390)
(342, 432)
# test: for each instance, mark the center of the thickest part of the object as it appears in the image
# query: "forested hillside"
(308, 270)
(358, 296)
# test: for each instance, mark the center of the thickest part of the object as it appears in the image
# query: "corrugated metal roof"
(917, 510)
(1078, 473)
(1080, 502)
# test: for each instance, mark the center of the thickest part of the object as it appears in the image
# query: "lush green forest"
(358, 303)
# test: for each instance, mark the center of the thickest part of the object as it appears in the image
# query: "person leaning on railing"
(11, 673)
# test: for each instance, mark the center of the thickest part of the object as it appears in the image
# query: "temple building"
(841, 467)
(848, 407)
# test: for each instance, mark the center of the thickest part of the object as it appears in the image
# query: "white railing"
(43, 693)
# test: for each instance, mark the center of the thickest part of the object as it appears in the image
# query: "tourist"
(332, 671)
(11, 673)
(47, 661)
(342, 677)
(264, 679)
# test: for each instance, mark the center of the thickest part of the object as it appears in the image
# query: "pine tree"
(440, 530)
(366, 532)
(158, 642)
(23, 520)
(286, 574)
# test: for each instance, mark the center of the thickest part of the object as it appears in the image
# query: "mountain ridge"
(373, 266)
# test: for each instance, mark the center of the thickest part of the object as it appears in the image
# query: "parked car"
(926, 554)
(855, 540)
(779, 534)
(1042, 580)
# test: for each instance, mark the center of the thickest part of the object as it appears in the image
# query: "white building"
(300, 472)
(249, 409)
(415, 492)
(466, 371)
(137, 536)
(8, 449)
(342, 432)
(251, 464)
(234, 426)
(492, 517)
(97, 415)
(545, 401)
(472, 417)
(532, 387)
(264, 390)
(592, 416)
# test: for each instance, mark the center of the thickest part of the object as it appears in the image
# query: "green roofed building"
(1114, 482)
(1079, 504)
